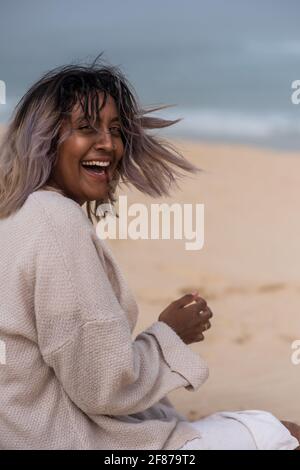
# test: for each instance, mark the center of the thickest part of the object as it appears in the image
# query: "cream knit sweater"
(73, 376)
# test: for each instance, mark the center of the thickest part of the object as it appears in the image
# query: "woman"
(73, 377)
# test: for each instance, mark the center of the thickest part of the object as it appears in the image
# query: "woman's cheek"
(83, 147)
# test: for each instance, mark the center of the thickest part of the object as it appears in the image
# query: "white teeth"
(93, 163)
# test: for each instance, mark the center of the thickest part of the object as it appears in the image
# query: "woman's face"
(79, 181)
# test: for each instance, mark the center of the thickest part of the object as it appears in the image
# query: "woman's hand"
(188, 321)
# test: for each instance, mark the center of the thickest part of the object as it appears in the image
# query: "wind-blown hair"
(29, 147)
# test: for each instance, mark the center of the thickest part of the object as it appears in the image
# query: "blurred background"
(227, 67)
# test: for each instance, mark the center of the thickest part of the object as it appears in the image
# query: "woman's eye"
(85, 128)
(115, 131)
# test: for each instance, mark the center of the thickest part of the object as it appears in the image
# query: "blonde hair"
(29, 147)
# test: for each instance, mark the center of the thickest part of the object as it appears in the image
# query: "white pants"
(241, 430)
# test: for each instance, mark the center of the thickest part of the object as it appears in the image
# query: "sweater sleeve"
(84, 334)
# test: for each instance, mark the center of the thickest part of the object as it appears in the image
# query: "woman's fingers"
(200, 311)
(206, 326)
(207, 313)
(184, 300)
(203, 319)
(199, 300)
(200, 337)
(188, 298)
(200, 305)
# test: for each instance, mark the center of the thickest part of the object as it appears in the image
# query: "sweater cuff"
(178, 356)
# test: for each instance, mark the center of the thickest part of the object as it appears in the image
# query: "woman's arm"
(85, 337)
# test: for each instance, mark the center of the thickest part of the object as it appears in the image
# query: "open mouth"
(97, 169)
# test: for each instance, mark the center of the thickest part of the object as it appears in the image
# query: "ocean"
(226, 68)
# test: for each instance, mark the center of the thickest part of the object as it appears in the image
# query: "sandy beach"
(248, 270)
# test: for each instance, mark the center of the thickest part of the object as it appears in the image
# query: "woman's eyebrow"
(116, 118)
(82, 118)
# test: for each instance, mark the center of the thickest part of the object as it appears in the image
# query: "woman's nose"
(104, 140)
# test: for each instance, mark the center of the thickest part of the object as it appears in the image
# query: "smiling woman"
(75, 114)
(89, 156)
(74, 378)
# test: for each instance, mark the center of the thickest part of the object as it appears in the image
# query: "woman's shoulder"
(52, 197)
(56, 206)
(46, 212)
